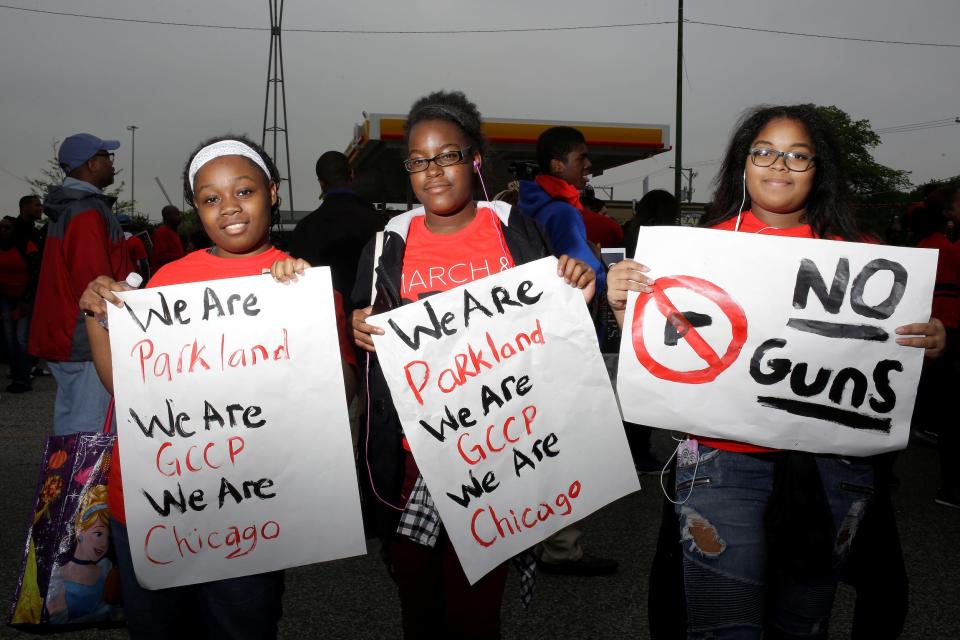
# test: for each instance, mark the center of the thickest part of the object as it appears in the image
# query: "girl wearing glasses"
(768, 529)
(451, 239)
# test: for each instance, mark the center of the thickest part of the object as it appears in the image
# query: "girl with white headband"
(232, 184)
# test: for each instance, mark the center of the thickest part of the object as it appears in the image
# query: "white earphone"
(743, 201)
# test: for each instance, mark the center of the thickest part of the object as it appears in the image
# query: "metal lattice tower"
(277, 89)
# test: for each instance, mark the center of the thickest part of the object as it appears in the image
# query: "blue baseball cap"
(80, 147)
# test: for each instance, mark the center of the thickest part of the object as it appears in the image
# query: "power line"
(909, 130)
(13, 175)
(820, 35)
(920, 126)
(345, 31)
(134, 20)
(624, 25)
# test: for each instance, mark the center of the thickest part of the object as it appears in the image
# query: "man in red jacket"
(84, 240)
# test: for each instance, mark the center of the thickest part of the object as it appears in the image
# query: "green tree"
(920, 192)
(869, 180)
(52, 176)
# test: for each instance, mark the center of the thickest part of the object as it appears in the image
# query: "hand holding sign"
(626, 276)
(929, 336)
(577, 274)
(362, 332)
(286, 271)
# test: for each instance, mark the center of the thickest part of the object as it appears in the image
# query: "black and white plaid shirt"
(420, 522)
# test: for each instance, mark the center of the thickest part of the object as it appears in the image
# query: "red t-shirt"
(946, 290)
(436, 262)
(602, 230)
(136, 249)
(167, 246)
(14, 273)
(197, 267)
(750, 223)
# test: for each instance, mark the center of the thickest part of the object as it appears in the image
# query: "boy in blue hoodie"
(553, 197)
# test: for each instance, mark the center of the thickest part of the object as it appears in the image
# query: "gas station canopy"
(376, 152)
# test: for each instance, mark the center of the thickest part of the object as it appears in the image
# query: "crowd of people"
(733, 569)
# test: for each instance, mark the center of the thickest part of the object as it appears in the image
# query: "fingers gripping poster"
(779, 342)
(234, 439)
(508, 410)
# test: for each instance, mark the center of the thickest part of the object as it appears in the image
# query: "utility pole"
(132, 128)
(678, 145)
(691, 174)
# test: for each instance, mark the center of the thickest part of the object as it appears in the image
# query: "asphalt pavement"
(354, 598)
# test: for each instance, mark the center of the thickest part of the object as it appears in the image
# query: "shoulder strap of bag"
(377, 252)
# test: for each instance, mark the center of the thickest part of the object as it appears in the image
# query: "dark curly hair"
(555, 143)
(451, 106)
(828, 210)
(274, 175)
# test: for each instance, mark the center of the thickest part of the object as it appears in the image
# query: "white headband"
(225, 148)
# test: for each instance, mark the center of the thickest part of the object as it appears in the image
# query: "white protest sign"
(507, 407)
(234, 439)
(786, 342)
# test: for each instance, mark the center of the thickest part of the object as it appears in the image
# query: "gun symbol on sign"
(678, 324)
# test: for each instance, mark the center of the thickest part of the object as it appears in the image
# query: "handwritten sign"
(234, 437)
(506, 404)
(779, 342)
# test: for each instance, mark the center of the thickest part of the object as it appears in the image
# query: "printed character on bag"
(68, 575)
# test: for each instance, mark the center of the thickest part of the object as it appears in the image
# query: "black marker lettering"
(780, 367)
(886, 308)
(839, 385)
(881, 379)
(809, 278)
(839, 330)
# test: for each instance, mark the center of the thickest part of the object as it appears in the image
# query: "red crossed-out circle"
(715, 364)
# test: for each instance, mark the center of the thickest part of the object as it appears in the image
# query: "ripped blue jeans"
(730, 589)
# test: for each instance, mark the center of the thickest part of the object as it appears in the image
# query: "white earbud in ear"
(476, 166)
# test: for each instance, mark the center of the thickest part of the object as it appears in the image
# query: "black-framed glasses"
(445, 159)
(105, 154)
(793, 160)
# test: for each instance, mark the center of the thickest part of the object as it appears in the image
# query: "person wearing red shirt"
(776, 559)
(930, 224)
(18, 262)
(602, 230)
(167, 245)
(235, 202)
(138, 254)
(450, 240)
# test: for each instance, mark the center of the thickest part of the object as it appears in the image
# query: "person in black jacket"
(336, 232)
(450, 240)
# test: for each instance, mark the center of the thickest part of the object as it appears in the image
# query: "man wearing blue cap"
(84, 240)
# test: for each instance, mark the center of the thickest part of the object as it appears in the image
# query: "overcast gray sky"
(61, 75)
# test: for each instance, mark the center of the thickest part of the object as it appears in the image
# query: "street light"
(133, 166)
